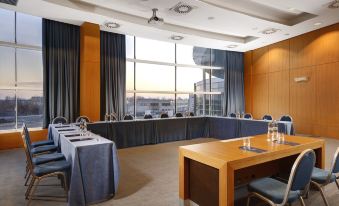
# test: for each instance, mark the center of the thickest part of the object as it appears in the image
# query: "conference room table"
(131, 133)
(210, 172)
(94, 173)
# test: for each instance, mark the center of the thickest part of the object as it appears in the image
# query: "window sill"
(19, 130)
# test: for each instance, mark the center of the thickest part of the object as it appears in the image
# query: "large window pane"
(129, 76)
(30, 108)
(152, 77)
(7, 25)
(192, 55)
(28, 30)
(153, 50)
(130, 103)
(29, 68)
(7, 66)
(154, 104)
(191, 79)
(185, 103)
(130, 47)
(7, 109)
(216, 104)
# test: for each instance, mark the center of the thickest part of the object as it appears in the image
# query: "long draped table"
(130, 133)
(94, 173)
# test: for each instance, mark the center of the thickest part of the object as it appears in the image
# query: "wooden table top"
(218, 153)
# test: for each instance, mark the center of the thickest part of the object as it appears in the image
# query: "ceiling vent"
(10, 2)
(182, 8)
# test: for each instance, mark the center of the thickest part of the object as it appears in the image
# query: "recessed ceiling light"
(176, 37)
(210, 18)
(287, 34)
(270, 31)
(317, 24)
(334, 4)
(112, 25)
(232, 46)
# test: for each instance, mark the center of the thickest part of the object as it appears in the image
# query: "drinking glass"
(247, 143)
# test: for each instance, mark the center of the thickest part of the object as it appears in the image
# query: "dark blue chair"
(82, 118)
(148, 116)
(128, 117)
(178, 114)
(267, 117)
(164, 115)
(39, 147)
(286, 118)
(279, 193)
(57, 168)
(248, 116)
(191, 114)
(320, 178)
(233, 115)
(59, 120)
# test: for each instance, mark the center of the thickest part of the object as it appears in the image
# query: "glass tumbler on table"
(247, 143)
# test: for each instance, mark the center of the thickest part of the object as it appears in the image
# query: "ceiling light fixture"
(182, 8)
(177, 38)
(269, 31)
(317, 24)
(334, 4)
(232, 46)
(112, 25)
(210, 18)
(154, 19)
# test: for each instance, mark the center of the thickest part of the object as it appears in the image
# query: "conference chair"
(59, 120)
(278, 193)
(320, 178)
(82, 118)
(267, 117)
(178, 114)
(164, 115)
(191, 114)
(128, 117)
(148, 116)
(248, 116)
(286, 118)
(233, 115)
(50, 169)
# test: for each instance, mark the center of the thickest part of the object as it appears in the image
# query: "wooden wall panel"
(248, 81)
(11, 140)
(260, 95)
(260, 61)
(278, 93)
(278, 56)
(90, 71)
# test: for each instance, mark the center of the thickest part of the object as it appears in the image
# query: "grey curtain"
(60, 47)
(113, 73)
(234, 82)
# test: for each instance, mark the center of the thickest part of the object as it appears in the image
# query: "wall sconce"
(300, 79)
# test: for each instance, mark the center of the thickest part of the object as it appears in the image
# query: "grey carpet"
(149, 177)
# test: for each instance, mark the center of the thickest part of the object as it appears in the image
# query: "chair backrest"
(248, 116)
(301, 173)
(58, 120)
(178, 114)
(335, 162)
(82, 118)
(27, 148)
(233, 115)
(191, 114)
(164, 115)
(267, 117)
(148, 116)
(286, 118)
(128, 117)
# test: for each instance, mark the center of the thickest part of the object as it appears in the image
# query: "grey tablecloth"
(94, 174)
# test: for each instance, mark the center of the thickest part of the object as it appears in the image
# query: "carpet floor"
(149, 177)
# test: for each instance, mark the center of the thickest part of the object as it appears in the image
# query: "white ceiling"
(235, 22)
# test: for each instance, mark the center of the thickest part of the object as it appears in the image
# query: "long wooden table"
(210, 172)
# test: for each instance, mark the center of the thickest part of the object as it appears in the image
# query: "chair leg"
(27, 179)
(322, 193)
(336, 182)
(26, 171)
(301, 200)
(248, 200)
(33, 191)
(29, 187)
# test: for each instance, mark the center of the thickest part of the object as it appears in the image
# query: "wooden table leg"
(223, 186)
(183, 179)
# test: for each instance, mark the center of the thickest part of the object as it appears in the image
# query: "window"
(163, 77)
(21, 97)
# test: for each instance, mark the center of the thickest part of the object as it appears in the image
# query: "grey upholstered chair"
(320, 178)
(82, 118)
(59, 120)
(278, 193)
(267, 117)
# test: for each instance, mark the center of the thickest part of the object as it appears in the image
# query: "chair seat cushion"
(42, 143)
(45, 148)
(272, 189)
(320, 176)
(50, 167)
(41, 159)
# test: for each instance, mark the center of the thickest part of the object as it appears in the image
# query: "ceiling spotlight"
(232, 46)
(334, 4)
(176, 37)
(287, 34)
(317, 24)
(112, 25)
(269, 31)
(210, 18)
(154, 19)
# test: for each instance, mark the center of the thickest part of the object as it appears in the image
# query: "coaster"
(252, 149)
(287, 143)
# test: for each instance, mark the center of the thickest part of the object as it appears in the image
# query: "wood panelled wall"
(270, 86)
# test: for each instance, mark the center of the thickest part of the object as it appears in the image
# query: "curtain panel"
(61, 61)
(113, 73)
